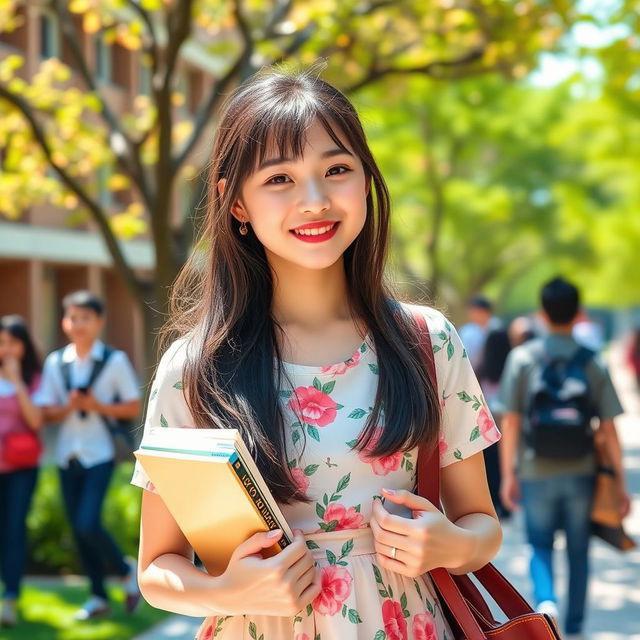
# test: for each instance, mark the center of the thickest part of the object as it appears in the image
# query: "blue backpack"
(560, 410)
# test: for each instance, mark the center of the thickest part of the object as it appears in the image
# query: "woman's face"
(307, 211)
(10, 346)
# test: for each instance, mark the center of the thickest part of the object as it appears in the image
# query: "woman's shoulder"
(436, 320)
(173, 358)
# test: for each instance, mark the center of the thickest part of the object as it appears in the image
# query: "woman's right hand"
(278, 586)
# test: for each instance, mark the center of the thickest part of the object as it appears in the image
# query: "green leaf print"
(297, 619)
(339, 406)
(312, 545)
(464, 396)
(436, 348)
(442, 335)
(380, 635)
(163, 421)
(154, 393)
(261, 636)
(430, 607)
(415, 582)
(313, 432)
(457, 455)
(319, 510)
(317, 384)
(309, 609)
(475, 434)
(377, 574)
(347, 547)
(403, 600)
(252, 630)
(356, 414)
(331, 557)
(344, 610)
(352, 443)
(179, 385)
(354, 617)
(344, 483)
(295, 436)
(328, 388)
(374, 369)
(363, 348)
(450, 350)
(310, 469)
(292, 464)
(285, 394)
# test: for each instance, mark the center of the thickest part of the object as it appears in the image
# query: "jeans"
(16, 491)
(560, 502)
(83, 491)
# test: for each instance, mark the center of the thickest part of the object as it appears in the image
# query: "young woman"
(19, 380)
(288, 332)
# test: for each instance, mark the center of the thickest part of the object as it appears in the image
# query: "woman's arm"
(31, 413)
(467, 502)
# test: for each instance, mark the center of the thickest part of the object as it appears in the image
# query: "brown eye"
(279, 179)
(338, 170)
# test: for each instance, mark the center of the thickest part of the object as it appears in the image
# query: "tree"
(61, 123)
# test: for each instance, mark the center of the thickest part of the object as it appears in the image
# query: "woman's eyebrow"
(326, 154)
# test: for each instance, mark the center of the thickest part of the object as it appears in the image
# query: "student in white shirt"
(84, 449)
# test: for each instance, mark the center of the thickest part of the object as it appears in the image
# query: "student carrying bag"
(462, 603)
(120, 430)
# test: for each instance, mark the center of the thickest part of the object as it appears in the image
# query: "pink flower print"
(186, 426)
(487, 426)
(300, 479)
(342, 367)
(395, 625)
(208, 633)
(315, 407)
(381, 466)
(336, 588)
(150, 486)
(443, 447)
(346, 518)
(423, 627)
(302, 636)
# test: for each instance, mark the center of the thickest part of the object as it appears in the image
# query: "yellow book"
(213, 489)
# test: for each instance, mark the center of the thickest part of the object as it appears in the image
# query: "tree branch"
(152, 48)
(178, 23)
(96, 211)
(428, 69)
(132, 168)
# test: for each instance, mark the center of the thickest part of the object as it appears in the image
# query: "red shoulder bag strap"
(507, 598)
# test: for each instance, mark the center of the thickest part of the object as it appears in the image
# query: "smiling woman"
(294, 338)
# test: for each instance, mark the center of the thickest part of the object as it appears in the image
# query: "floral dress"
(325, 409)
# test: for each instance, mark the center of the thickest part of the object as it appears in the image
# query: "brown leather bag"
(462, 602)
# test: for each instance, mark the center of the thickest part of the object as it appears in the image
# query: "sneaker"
(9, 616)
(94, 607)
(550, 608)
(130, 585)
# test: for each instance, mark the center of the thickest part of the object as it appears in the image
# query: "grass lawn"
(46, 613)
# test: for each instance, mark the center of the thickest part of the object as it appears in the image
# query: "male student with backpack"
(86, 387)
(557, 397)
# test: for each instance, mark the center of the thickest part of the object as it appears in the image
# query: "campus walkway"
(615, 588)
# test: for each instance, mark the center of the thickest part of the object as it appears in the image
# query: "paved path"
(615, 588)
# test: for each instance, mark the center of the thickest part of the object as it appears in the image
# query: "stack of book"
(213, 489)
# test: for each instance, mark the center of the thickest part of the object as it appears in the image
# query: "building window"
(49, 36)
(103, 61)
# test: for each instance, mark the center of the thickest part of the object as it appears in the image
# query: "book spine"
(255, 495)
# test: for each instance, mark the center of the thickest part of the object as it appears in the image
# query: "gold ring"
(393, 552)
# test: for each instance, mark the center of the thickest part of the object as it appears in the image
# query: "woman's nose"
(314, 198)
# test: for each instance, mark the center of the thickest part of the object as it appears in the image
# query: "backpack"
(121, 430)
(560, 409)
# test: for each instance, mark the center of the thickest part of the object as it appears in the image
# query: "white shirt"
(88, 439)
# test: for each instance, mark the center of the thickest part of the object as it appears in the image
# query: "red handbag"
(462, 603)
(21, 449)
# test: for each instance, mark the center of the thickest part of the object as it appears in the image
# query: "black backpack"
(121, 430)
(560, 409)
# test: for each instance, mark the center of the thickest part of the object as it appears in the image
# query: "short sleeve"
(48, 392)
(167, 406)
(467, 424)
(607, 403)
(126, 381)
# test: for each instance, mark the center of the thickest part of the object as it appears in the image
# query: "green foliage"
(51, 545)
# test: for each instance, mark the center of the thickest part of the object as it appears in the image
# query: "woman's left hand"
(427, 541)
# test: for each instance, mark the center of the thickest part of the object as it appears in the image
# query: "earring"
(243, 229)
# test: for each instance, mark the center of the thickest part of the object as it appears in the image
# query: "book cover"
(213, 490)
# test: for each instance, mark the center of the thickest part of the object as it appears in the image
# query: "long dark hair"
(222, 297)
(17, 327)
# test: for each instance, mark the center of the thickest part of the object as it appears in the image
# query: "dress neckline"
(361, 350)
